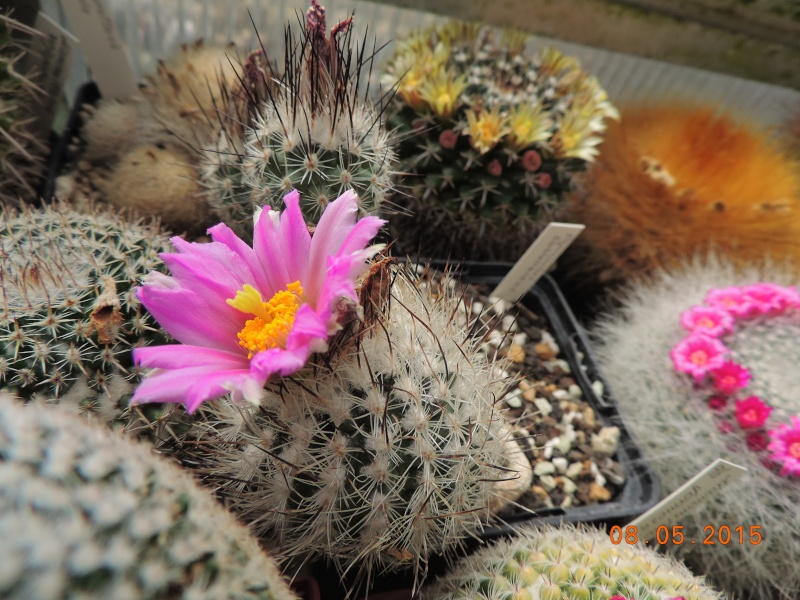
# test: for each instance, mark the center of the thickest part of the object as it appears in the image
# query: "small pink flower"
(618, 598)
(785, 447)
(752, 412)
(757, 442)
(730, 377)
(697, 355)
(708, 320)
(543, 180)
(494, 168)
(531, 160)
(448, 139)
(717, 402)
(731, 299)
(724, 427)
(769, 297)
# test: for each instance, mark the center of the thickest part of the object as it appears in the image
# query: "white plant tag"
(52, 55)
(102, 47)
(541, 255)
(687, 498)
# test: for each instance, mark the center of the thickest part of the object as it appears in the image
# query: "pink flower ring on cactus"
(708, 320)
(243, 314)
(785, 447)
(697, 355)
(752, 412)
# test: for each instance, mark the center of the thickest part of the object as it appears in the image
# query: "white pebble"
(552, 365)
(548, 450)
(569, 486)
(600, 480)
(510, 323)
(598, 388)
(543, 405)
(520, 339)
(498, 304)
(569, 432)
(544, 468)
(575, 392)
(548, 338)
(564, 445)
(514, 399)
(548, 482)
(574, 470)
(568, 418)
(477, 308)
(606, 440)
(496, 338)
(566, 502)
(560, 463)
(561, 395)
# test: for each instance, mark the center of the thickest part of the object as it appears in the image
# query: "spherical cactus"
(68, 313)
(385, 451)
(22, 154)
(313, 130)
(568, 563)
(740, 406)
(492, 138)
(89, 514)
(676, 180)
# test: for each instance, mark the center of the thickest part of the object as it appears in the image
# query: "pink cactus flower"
(785, 447)
(731, 299)
(730, 378)
(243, 314)
(494, 168)
(717, 403)
(543, 180)
(771, 298)
(757, 441)
(752, 412)
(697, 355)
(708, 320)
(531, 160)
(448, 139)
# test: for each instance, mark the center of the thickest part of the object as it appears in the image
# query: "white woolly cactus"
(308, 128)
(387, 450)
(68, 313)
(87, 514)
(568, 563)
(683, 424)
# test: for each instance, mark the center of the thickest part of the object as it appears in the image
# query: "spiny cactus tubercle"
(93, 515)
(383, 454)
(311, 131)
(68, 311)
(568, 563)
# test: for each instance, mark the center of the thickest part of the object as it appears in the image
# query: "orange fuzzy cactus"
(674, 181)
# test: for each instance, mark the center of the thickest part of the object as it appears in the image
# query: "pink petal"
(295, 238)
(172, 386)
(277, 360)
(269, 250)
(223, 234)
(180, 356)
(310, 330)
(219, 383)
(361, 235)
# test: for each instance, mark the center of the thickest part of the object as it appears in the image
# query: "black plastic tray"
(641, 489)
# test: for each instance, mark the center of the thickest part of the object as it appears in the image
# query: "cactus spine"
(89, 514)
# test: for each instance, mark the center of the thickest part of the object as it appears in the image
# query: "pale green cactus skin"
(386, 451)
(69, 316)
(85, 513)
(680, 434)
(568, 563)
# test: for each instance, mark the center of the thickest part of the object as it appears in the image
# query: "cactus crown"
(568, 563)
(385, 451)
(68, 311)
(308, 128)
(92, 515)
(21, 153)
(491, 136)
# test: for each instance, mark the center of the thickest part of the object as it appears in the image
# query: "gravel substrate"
(571, 451)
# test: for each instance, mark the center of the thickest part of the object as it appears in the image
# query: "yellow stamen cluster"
(486, 128)
(529, 124)
(442, 91)
(273, 319)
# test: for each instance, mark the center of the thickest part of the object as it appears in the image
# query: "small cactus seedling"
(68, 313)
(88, 514)
(386, 450)
(21, 153)
(741, 406)
(492, 138)
(310, 128)
(568, 563)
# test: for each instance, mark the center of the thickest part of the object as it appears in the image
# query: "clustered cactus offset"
(683, 425)
(387, 450)
(492, 138)
(568, 563)
(85, 513)
(309, 128)
(69, 316)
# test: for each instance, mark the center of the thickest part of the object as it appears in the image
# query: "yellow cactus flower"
(575, 138)
(442, 92)
(529, 124)
(486, 128)
(566, 69)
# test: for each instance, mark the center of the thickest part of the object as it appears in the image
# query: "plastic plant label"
(102, 47)
(688, 498)
(541, 255)
(52, 53)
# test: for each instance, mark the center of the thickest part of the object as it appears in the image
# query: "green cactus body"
(385, 452)
(21, 153)
(568, 563)
(88, 514)
(491, 138)
(68, 311)
(311, 131)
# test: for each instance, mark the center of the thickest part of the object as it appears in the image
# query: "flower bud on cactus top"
(68, 313)
(88, 514)
(308, 129)
(568, 563)
(21, 153)
(381, 453)
(703, 362)
(492, 137)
